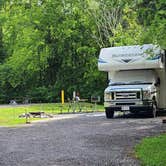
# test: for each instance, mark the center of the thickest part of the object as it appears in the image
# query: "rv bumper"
(130, 108)
(140, 106)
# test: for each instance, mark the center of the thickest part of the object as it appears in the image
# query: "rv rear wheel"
(109, 113)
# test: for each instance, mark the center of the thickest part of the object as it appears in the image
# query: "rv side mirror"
(157, 83)
(163, 58)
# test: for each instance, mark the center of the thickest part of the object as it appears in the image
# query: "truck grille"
(127, 95)
(125, 103)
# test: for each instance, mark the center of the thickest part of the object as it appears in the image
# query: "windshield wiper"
(129, 83)
(138, 82)
(117, 83)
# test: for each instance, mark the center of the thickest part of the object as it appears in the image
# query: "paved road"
(76, 140)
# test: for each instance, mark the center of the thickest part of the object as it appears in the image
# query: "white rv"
(137, 78)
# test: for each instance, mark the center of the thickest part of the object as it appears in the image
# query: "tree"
(48, 45)
(152, 15)
(116, 22)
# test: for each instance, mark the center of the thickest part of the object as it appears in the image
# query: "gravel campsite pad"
(79, 139)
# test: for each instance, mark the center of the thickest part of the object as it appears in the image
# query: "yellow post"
(62, 96)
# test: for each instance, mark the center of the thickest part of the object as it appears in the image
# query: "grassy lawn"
(9, 115)
(152, 151)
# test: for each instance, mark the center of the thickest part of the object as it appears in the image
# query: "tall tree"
(152, 15)
(116, 22)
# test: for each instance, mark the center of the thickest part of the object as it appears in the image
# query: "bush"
(40, 94)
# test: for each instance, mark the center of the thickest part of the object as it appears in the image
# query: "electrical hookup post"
(62, 99)
(95, 100)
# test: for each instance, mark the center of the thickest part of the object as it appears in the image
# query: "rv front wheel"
(109, 113)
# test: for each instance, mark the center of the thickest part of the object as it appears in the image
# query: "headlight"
(109, 96)
(146, 95)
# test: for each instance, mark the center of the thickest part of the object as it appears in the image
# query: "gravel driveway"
(79, 139)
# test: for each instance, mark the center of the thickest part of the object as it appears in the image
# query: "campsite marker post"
(62, 96)
(62, 99)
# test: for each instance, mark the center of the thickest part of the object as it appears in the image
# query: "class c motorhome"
(137, 78)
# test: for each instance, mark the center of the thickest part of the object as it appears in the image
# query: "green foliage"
(54, 45)
(152, 151)
(152, 15)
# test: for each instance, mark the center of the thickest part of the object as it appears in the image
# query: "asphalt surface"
(77, 140)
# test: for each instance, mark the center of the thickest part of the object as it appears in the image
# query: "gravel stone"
(87, 139)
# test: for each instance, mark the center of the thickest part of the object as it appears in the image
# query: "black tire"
(109, 113)
(154, 107)
(154, 110)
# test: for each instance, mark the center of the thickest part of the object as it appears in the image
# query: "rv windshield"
(132, 77)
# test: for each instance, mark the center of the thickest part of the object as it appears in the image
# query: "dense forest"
(50, 45)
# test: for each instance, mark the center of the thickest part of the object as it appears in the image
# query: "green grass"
(9, 115)
(152, 151)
